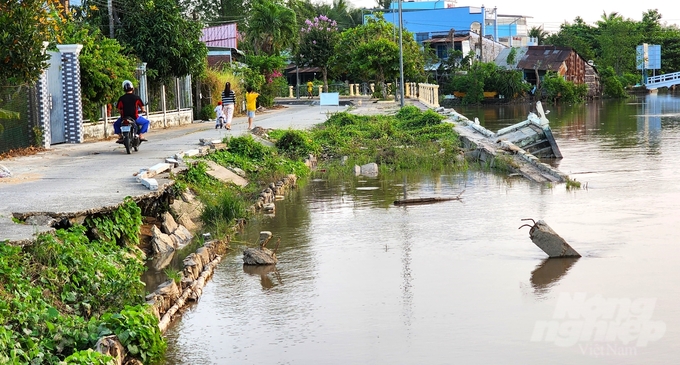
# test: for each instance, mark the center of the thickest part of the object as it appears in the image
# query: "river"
(361, 281)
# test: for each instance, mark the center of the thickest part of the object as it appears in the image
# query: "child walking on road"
(251, 105)
(219, 120)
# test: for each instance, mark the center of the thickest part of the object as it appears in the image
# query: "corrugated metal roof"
(502, 58)
(545, 58)
(221, 36)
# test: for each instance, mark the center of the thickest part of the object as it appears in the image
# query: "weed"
(173, 274)
(573, 184)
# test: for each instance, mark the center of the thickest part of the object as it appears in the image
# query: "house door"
(55, 99)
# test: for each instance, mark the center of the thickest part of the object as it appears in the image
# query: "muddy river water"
(361, 281)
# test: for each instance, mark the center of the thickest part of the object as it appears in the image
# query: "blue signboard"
(648, 56)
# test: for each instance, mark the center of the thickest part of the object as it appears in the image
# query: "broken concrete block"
(549, 241)
(172, 162)
(237, 171)
(4, 172)
(191, 153)
(369, 169)
(152, 184)
(159, 168)
(225, 175)
(40, 220)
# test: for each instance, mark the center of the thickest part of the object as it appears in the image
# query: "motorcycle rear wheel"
(126, 142)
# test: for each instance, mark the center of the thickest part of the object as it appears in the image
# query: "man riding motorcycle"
(129, 105)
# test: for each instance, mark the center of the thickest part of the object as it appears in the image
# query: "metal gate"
(55, 99)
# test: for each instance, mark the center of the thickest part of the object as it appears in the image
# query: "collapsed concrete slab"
(549, 241)
(517, 147)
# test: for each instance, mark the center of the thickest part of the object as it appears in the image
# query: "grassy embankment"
(59, 295)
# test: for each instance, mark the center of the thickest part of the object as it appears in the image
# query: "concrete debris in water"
(549, 241)
(261, 255)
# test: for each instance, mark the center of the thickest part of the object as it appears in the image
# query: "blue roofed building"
(429, 19)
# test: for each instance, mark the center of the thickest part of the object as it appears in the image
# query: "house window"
(420, 37)
(442, 51)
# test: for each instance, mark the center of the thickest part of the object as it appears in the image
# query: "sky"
(551, 14)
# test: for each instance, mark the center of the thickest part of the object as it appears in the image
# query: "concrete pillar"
(435, 93)
(357, 87)
(290, 91)
(73, 105)
(372, 88)
(44, 110)
(320, 90)
(351, 89)
(407, 92)
(550, 242)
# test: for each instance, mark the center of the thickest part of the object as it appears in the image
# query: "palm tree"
(271, 27)
(383, 4)
(539, 34)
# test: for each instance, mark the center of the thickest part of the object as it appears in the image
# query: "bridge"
(665, 80)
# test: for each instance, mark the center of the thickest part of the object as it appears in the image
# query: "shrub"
(137, 329)
(296, 144)
(560, 90)
(248, 147)
(208, 112)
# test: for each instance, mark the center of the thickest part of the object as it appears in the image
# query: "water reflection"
(549, 272)
(263, 272)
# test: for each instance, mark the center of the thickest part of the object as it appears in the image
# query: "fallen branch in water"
(430, 200)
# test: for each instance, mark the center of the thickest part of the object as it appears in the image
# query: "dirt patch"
(20, 152)
(19, 179)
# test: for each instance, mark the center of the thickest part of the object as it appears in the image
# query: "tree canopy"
(158, 33)
(371, 52)
(23, 28)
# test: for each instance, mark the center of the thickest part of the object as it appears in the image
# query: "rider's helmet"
(127, 86)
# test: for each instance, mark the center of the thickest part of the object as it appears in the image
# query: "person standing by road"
(228, 102)
(251, 105)
(310, 85)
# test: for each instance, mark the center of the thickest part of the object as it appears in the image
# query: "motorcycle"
(130, 132)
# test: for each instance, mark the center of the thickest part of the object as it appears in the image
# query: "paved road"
(70, 179)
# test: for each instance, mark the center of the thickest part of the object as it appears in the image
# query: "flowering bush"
(317, 41)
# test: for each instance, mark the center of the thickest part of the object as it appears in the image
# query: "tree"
(158, 33)
(24, 26)
(370, 52)
(103, 67)
(579, 36)
(383, 4)
(539, 34)
(271, 27)
(317, 43)
(617, 39)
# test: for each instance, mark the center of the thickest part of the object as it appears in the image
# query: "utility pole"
(401, 60)
(109, 3)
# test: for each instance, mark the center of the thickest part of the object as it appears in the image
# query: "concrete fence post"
(73, 105)
(290, 91)
(165, 111)
(435, 101)
(351, 89)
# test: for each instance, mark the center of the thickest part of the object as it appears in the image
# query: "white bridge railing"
(658, 81)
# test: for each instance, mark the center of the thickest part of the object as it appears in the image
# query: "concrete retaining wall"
(95, 131)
